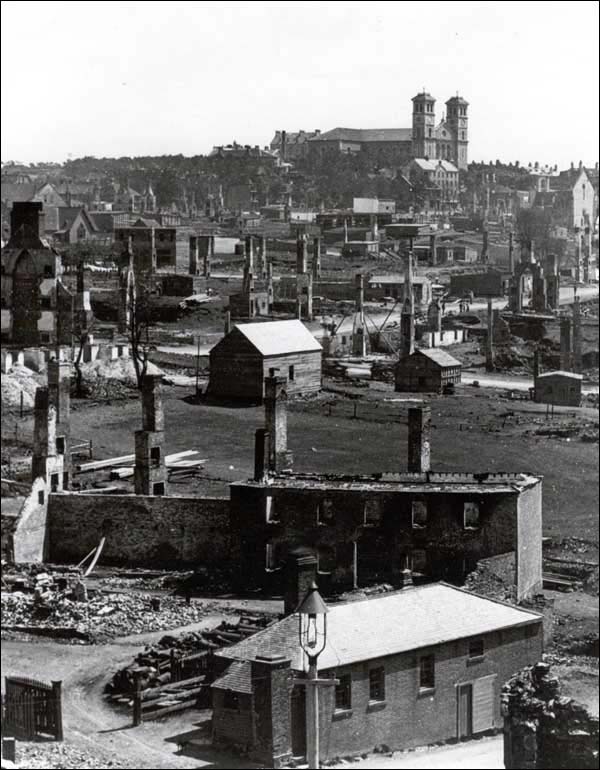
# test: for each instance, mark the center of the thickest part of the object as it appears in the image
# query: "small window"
(158, 488)
(231, 700)
(475, 648)
(41, 497)
(66, 480)
(471, 515)
(45, 337)
(372, 513)
(270, 557)
(155, 455)
(48, 271)
(45, 303)
(291, 373)
(54, 482)
(419, 514)
(343, 693)
(377, 684)
(325, 515)
(60, 445)
(427, 672)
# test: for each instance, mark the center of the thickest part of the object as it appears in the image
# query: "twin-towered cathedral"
(449, 139)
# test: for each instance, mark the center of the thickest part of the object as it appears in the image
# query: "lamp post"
(312, 629)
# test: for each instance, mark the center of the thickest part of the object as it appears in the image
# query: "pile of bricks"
(544, 729)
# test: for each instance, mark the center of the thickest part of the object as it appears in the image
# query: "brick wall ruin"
(543, 728)
(141, 530)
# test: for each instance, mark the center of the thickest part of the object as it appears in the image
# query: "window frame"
(380, 672)
(477, 506)
(415, 524)
(344, 688)
(427, 669)
(477, 643)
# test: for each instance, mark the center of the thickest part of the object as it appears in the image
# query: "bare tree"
(140, 318)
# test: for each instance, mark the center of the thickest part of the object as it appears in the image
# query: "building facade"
(420, 666)
(427, 371)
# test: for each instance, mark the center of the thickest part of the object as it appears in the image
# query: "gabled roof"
(438, 356)
(364, 135)
(276, 338)
(387, 625)
(68, 214)
(237, 678)
(11, 191)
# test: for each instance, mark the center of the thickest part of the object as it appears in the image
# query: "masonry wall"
(408, 717)
(385, 542)
(529, 533)
(141, 530)
(232, 726)
(29, 538)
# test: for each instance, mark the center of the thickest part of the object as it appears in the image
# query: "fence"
(32, 709)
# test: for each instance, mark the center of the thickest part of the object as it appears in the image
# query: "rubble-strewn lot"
(63, 607)
(63, 755)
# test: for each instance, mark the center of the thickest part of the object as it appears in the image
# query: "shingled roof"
(387, 625)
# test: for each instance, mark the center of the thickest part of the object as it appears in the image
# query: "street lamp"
(312, 629)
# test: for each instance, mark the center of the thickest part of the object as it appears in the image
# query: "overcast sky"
(149, 78)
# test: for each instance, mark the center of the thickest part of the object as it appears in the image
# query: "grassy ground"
(473, 431)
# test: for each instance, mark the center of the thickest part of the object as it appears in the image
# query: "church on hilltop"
(446, 140)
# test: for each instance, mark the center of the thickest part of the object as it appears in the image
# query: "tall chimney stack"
(419, 446)
(565, 344)
(276, 420)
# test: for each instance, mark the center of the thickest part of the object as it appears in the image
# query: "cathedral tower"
(423, 126)
(457, 120)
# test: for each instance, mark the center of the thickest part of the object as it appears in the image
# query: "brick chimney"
(419, 447)
(27, 225)
(150, 475)
(270, 677)
(276, 420)
(300, 573)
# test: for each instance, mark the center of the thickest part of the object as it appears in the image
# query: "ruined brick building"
(36, 306)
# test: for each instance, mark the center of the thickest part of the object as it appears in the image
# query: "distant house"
(291, 145)
(154, 247)
(435, 180)
(427, 371)
(73, 224)
(572, 199)
(419, 666)
(392, 285)
(558, 388)
(240, 362)
(488, 283)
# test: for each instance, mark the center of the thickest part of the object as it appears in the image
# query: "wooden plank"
(169, 709)
(98, 464)
(149, 700)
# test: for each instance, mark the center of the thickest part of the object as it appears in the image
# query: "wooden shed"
(240, 362)
(558, 388)
(427, 371)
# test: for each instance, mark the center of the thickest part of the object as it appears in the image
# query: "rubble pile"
(545, 728)
(63, 755)
(153, 665)
(485, 582)
(64, 606)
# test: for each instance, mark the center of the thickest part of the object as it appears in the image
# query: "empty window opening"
(270, 515)
(270, 557)
(291, 373)
(158, 488)
(418, 560)
(476, 648)
(343, 693)
(41, 497)
(48, 271)
(377, 684)
(66, 480)
(155, 455)
(419, 514)
(471, 515)
(54, 479)
(427, 672)
(325, 515)
(326, 559)
(60, 445)
(46, 303)
(372, 513)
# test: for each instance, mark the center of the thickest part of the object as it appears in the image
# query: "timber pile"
(157, 667)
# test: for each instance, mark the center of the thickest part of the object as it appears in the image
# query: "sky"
(150, 78)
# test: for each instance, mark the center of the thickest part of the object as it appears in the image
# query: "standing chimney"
(489, 340)
(301, 253)
(194, 255)
(59, 391)
(300, 573)
(419, 447)
(227, 328)
(484, 248)
(150, 473)
(249, 252)
(433, 249)
(359, 329)
(577, 341)
(565, 344)
(511, 252)
(261, 459)
(407, 317)
(536, 364)
(276, 420)
(316, 262)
